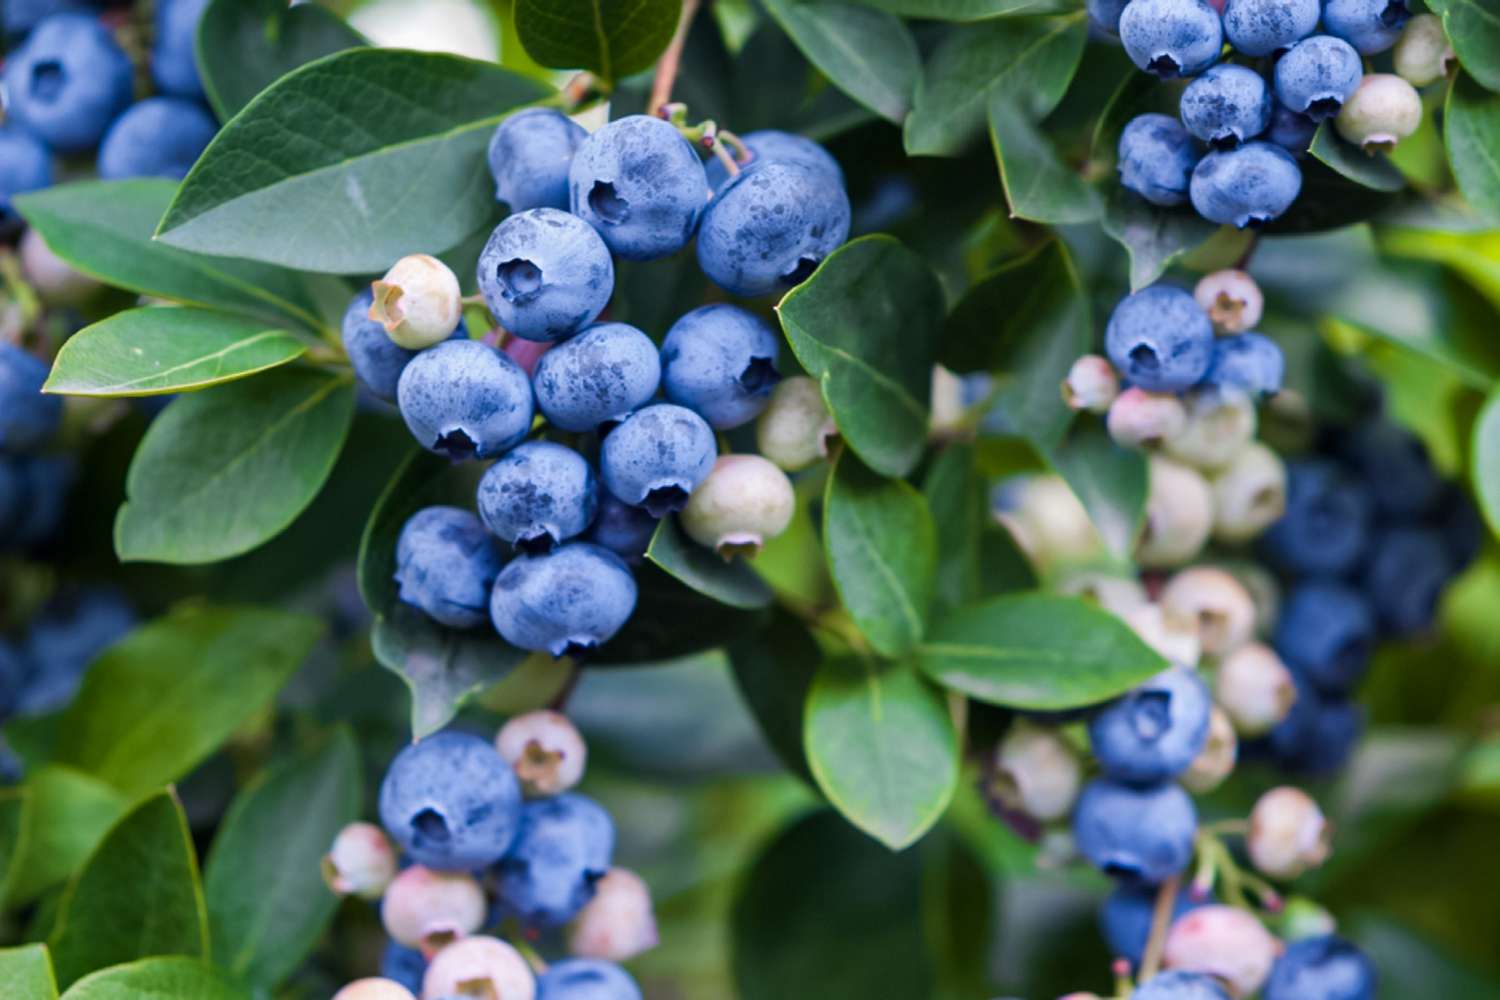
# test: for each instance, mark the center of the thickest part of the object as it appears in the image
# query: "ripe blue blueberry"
(1326, 631)
(68, 82)
(1160, 339)
(1261, 27)
(720, 362)
(773, 146)
(28, 418)
(403, 965)
(1370, 26)
(657, 456)
(1291, 130)
(1155, 731)
(46, 481)
(1105, 15)
(641, 185)
(451, 802)
(1226, 106)
(624, 530)
(172, 63)
(1248, 362)
(1322, 968)
(25, 165)
(1156, 158)
(1248, 187)
(1318, 734)
(564, 846)
(71, 631)
(545, 274)
(1317, 76)
(1404, 578)
(538, 495)
(1327, 522)
(586, 979)
(12, 495)
(1177, 984)
(566, 602)
(377, 360)
(1125, 917)
(17, 17)
(446, 564)
(157, 137)
(1135, 833)
(529, 158)
(464, 399)
(12, 678)
(1394, 465)
(598, 377)
(769, 228)
(1171, 38)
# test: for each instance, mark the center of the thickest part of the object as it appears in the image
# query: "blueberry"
(172, 63)
(1261, 27)
(1326, 631)
(1135, 833)
(1248, 187)
(377, 360)
(446, 564)
(403, 965)
(545, 274)
(1326, 526)
(1317, 76)
(1227, 105)
(1249, 362)
(451, 802)
(1404, 579)
(657, 456)
(1156, 159)
(1171, 37)
(1177, 984)
(624, 530)
(1290, 130)
(529, 158)
(597, 377)
(12, 678)
(71, 631)
(1395, 467)
(773, 146)
(1322, 968)
(1155, 731)
(769, 228)
(539, 495)
(1125, 917)
(586, 979)
(46, 481)
(464, 399)
(25, 165)
(563, 848)
(566, 602)
(28, 418)
(1105, 15)
(1370, 26)
(17, 17)
(641, 185)
(720, 362)
(1457, 519)
(1160, 339)
(68, 82)
(1318, 734)
(157, 137)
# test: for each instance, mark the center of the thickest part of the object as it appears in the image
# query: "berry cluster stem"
(1161, 920)
(671, 60)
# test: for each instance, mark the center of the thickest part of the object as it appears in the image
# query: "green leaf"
(1038, 186)
(1003, 567)
(966, 10)
(137, 896)
(882, 747)
(69, 812)
(1328, 200)
(350, 162)
(1033, 59)
(1153, 237)
(144, 352)
(104, 229)
(15, 817)
(865, 325)
(956, 498)
(1110, 482)
(1372, 171)
(1471, 129)
(222, 471)
(266, 911)
(734, 582)
(26, 973)
(166, 696)
(792, 562)
(882, 553)
(1037, 651)
(609, 38)
(672, 620)
(1484, 460)
(773, 669)
(1473, 28)
(246, 45)
(163, 978)
(868, 54)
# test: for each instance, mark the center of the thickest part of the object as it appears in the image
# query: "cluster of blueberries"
(547, 558)
(490, 836)
(34, 483)
(1233, 149)
(70, 91)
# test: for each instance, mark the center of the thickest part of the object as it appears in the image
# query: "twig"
(671, 59)
(576, 89)
(1161, 919)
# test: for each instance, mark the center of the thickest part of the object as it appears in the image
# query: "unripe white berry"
(1422, 53)
(479, 966)
(1288, 834)
(1179, 515)
(743, 501)
(1216, 760)
(1249, 494)
(418, 302)
(1141, 419)
(1092, 384)
(374, 989)
(1047, 521)
(545, 750)
(1116, 594)
(1214, 603)
(618, 923)
(53, 278)
(794, 429)
(1218, 427)
(1383, 110)
(1223, 941)
(1255, 688)
(1264, 590)
(1038, 773)
(427, 909)
(361, 862)
(946, 401)
(1174, 639)
(1232, 300)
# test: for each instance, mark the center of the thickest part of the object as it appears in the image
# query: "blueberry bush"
(603, 499)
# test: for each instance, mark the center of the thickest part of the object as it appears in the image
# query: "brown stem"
(1244, 261)
(666, 66)
(576, 89)
(1161, 919)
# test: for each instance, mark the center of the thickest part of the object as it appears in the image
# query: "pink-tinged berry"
(1037, 772)
(1232, 300)
(526, 353)
(374, 989)
(546, 751)
(1216, 760)
(619, 923)
(1118, 595)
(1218, 426)
(51, 277)
(1288, 833)
(1214, 603)
(1249, 494)
(1255, 688)
(1092, 384)
(1225, 942)
(1383, 110)
(361, 862)
(1174, 638)
(1047, 521)
(426, 909)
(1179, 515)
(481, 967)
(1141, 419)
(418, 302)
(795, 428)
(743, 502)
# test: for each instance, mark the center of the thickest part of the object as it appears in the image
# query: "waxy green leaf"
(158, 979)
(1473, 29)
(1153, 237)
(246, 45)
(26, 973)
(868, 54)
(1367, 169)
(610, 38)
(1471, 128)
(67, 813)
(734, 582)
(1039, 186)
